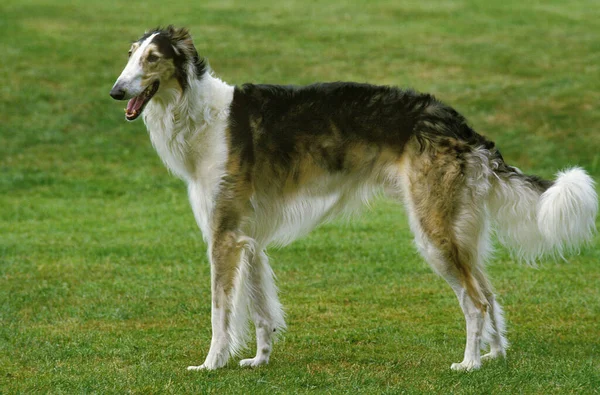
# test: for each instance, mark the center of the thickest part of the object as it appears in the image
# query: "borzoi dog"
(265, 164)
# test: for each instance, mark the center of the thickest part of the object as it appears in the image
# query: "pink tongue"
(135, 104)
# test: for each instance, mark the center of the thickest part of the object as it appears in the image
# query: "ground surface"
(104, 284)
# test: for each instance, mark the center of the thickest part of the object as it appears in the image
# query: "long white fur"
(494, 331)
(566, 212)
(281, 221)
(534, 224)
(188, 133)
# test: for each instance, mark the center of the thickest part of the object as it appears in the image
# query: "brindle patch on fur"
(230, 212)
(163, 69)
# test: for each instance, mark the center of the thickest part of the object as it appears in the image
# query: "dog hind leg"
(473, 309)
(445, 189)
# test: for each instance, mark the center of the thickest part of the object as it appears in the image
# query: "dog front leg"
(267, 312)
(224, 255)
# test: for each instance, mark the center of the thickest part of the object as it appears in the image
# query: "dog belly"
(281, 221)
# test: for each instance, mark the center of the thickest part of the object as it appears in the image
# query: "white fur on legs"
(495, 331)
(229, 312)
(473, 316)
(474, 319)
(219, 346)
(263, 345)
(266, 310)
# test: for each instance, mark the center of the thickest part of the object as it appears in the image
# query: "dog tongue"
(134, 104)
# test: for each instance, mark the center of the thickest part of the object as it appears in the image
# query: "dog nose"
(117, 93)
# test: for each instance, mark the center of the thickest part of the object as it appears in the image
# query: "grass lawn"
(104, 281)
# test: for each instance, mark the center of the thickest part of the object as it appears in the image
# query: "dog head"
(161, 59)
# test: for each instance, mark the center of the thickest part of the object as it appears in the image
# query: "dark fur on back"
(277, 122)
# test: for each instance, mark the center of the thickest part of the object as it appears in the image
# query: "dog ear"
(185, 55)
(182, 41)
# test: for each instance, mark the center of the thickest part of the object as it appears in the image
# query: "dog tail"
(536, 218)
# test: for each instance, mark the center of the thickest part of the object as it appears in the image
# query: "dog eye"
(129, 54)
(152, 58)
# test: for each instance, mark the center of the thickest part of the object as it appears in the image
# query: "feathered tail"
(536, 218)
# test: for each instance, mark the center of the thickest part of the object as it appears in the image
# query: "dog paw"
(493, 355)
(201, 367)
(465, 366)
(254, 362)
(212, 362)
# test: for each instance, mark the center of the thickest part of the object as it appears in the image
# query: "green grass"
(104, 282)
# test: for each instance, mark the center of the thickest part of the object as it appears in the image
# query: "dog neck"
(187, 128)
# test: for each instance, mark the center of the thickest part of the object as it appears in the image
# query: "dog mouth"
(136, 105)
